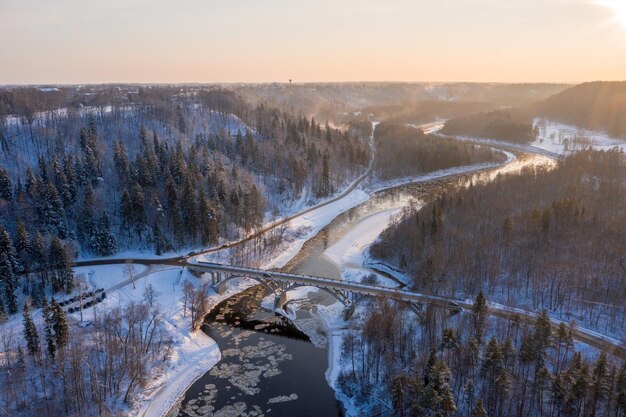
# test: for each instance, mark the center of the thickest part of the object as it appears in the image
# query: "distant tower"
(290, 81)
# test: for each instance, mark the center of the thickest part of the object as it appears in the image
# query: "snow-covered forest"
(548, 240)
(402, 362)
(518, 239)
(165, 170)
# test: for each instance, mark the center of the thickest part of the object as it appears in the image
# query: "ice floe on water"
(282, 399)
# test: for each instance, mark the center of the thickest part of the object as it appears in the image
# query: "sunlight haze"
(271, 40)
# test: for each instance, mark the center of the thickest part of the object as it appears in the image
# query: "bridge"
(348, 293)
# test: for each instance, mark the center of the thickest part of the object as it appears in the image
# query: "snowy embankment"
(191, 352)
(467, 169)
(349, 252)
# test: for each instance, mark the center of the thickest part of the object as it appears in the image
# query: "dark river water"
(269, 367)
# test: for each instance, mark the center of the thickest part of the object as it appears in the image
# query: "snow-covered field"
(563, 139)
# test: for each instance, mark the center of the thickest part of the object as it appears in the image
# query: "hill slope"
(595, 106)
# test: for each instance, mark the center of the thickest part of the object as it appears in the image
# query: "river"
(269, 366)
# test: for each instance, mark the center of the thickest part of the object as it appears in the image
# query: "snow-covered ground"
(563, 139)
(195, 353)
(348, 253)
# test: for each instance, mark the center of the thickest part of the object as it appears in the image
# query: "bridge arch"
(265, 283)
(281, 296)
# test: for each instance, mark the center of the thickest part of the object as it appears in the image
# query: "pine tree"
(160, 243)
(48, 330)
(7, 248)
(138, 208)
(22, 240)
(492, 364)
(126, 209)
(63, 276)
(438, 393)
(325, 186)
(103, 242)
(8, 281)
(479, 409)
(70, 178)
(37, 250)
(481, 310)
(121, 162)
(60, 325)
(6, 187)
(543, 331)
(397, 395)
(85, 224)
(30, 332)
(208, 222)
(51, 211)
(3, 315)
(601, 384)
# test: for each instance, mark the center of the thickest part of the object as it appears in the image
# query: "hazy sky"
(89, 41)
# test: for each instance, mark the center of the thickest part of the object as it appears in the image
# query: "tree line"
(401, 362)
(403, 151)
(545, 239)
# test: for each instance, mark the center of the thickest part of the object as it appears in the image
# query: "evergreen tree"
(6, 187)
(30, 332)
(85, 224)
(37, 251)
(543, 331)
(397, 395)
(48, 330)
(601, 384)
(62, 274)
(7, 248)
(22, 240)
(481, 311)
(8, 281)
(138, 208)
(438, 397)
(103, 242)
(126, 209)
(51, 211)
(3, 315)
(479, 409)
(492, 364)
(160, 243)
(70, 179)
(59, 325)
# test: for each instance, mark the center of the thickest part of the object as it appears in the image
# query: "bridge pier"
(280, 300)
(417, 308)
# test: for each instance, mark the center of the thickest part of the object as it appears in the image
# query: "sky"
(168, 41)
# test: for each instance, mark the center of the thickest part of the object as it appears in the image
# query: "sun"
(618, 7)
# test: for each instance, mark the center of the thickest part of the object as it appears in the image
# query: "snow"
(563, 139)
(194, 353)
(302, 228)
(384, 185)
(348, 253)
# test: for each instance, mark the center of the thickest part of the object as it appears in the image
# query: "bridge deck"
(320, 282)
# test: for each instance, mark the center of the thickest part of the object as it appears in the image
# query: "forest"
(404, 151)
(512, 125)
(165, 171)
(429, 362)
(518, 239)
(595, 106)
